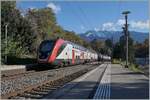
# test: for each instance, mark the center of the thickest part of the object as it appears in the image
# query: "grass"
(116, 61)
(134, 68)
(131, 66)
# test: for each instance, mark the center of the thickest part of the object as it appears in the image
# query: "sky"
(81, 16)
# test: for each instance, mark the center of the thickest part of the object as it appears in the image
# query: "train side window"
(76, 57)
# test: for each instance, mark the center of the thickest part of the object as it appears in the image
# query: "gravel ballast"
(9, 86)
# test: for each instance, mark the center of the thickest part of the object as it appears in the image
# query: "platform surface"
(126, 84)
(117, 82)
(11, 67)
(80, 88)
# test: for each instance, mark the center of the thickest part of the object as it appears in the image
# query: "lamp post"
(126, 34)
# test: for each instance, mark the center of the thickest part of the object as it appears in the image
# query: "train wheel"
(62, 65)
(68, 63)
(57, 66)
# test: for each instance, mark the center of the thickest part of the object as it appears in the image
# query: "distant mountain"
(103, 35)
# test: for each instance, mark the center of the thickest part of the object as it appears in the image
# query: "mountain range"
(115, 35)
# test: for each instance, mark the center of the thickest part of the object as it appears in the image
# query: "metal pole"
(112, 48)
(6, 42)
(126, 26)
(126, 34)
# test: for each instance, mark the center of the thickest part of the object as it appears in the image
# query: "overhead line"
(78, 16)
(87, 19)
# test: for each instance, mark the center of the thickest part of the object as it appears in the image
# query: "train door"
(73, 57)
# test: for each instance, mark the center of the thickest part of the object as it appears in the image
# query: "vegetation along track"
(22, 85)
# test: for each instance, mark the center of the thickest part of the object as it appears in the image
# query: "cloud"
(82, 27)
(134, 25)
(96, 29)
(32, 8)
(120, 22)
(140, 24)
(54, 7)
(109, 26)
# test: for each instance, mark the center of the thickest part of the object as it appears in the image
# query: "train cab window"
(46, 46)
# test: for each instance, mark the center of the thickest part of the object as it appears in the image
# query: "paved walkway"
(80, 88)
(116, 83)
(103, 89)
(126, 84)
(11, 67)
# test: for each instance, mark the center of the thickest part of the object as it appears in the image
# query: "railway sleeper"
(29, 95)
(17, 97)
(38, 92)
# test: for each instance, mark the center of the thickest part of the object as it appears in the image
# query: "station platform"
(8, 70)
(126, 84)
(12, 67)
(80, 88)
(107, 81)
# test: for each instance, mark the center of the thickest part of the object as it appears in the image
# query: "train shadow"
(42, 67)
(37, 67)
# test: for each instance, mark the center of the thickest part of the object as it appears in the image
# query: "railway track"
(41, 91)
(12, 74)
(38, 84)
(17, 75)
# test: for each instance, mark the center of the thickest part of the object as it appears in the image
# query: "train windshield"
(46, 46)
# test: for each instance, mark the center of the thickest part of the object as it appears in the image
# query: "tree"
(26, 32)
(19, 31)
(142, 49)
(146, 47)
(108, 43)
(108, 46)
(43, 24)
(97, 45)
(117, 51)
(103, 47)
(121, 48)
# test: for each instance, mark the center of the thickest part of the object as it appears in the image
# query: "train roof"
(77, 46)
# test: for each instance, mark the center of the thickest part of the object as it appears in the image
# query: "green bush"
(116, 61)
(12, 48)
(134, 67)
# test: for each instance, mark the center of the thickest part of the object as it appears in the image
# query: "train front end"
(48, 50)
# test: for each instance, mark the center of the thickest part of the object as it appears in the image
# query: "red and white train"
(60, 52)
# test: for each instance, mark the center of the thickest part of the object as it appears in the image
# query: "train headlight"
(47, 54)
